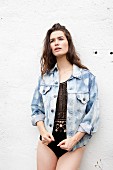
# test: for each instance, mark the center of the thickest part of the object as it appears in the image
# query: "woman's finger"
(51, 136)
(64, 147)
(46, 138)
(61, 143)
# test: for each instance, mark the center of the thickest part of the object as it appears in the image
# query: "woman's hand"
(67, 144)
(47, 138)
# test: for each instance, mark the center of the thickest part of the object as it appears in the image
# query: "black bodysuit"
(59, 130)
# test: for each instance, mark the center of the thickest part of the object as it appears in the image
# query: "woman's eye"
(51, 41)
(60, 38)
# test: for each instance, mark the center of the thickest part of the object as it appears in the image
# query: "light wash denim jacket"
(82, 104)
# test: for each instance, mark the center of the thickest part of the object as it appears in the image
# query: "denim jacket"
(82, 103)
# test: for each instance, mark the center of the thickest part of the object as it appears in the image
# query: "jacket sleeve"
(37, 106)
(90, 121)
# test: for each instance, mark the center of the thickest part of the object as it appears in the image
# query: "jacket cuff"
(80, 129)
(87, 128)
(36, 118)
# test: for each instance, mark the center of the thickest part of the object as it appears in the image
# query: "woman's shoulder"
(87, 74)
(83, 72)
(43, 79)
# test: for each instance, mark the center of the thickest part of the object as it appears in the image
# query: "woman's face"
(58, 43)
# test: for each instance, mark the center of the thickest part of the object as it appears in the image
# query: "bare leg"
(71, 160)
(46, 159)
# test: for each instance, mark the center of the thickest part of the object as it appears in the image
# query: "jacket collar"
(77, 72)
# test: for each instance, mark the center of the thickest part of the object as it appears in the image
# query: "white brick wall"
(23, 25)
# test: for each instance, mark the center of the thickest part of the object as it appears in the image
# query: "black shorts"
(58, 136)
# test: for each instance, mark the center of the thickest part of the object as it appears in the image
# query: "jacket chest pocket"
(83, 98)
(45, 92)
(78, 99)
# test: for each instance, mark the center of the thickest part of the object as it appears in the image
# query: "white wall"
(23, 25)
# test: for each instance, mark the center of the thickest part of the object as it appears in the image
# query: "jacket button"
(43, 91)
(56, 82)
(50, 125)
(52, 110)
(71, 88)
(55, 96)
(84, 99)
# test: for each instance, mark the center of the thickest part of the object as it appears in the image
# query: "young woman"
(64, 104)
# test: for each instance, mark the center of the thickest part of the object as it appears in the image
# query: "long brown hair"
(48, 60)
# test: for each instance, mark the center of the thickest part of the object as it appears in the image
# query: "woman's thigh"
(71, 160)
(46, 159)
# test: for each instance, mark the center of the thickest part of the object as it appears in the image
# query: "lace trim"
(61, 108)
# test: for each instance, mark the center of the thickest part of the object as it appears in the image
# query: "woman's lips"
(57, 49)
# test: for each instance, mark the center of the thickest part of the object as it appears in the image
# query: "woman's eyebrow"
(57, 37)
(61, 36)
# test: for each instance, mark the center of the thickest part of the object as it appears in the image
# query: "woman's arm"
(90, 122)
(78, 136)
(46, 136)
(37, 106)
(38, 115)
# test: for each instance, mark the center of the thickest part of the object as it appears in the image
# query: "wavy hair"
(48, 60)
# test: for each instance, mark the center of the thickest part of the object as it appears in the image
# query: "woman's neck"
(65, 69)
(63, 64)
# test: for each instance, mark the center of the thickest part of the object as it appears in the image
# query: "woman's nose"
(56, 42)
